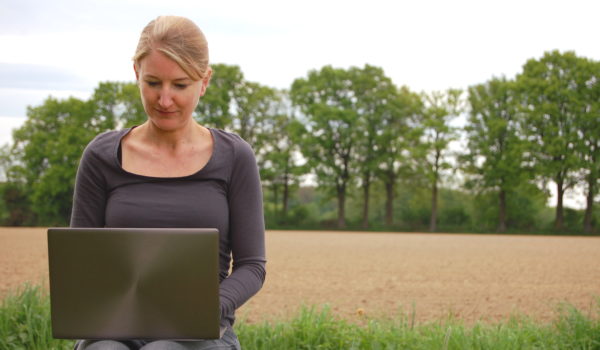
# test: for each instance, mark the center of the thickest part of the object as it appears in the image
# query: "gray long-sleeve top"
(225, 194)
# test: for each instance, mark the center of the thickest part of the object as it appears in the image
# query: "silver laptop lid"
(128, 283)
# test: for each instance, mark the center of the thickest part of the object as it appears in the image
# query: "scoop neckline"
(120, 166)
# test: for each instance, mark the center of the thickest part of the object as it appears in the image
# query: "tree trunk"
(275, 197)
(434, 191)
(366, 188)
(502, 211)
(589, 209)
(286, 198)
(389, 201)
(558, 222)
(341, 206)
(286, 191)
(433, 219)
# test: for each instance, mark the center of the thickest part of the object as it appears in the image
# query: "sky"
(65, 48)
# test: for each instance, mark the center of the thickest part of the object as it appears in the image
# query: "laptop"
(134, 283)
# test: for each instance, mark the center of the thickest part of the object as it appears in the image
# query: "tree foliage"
(399, 145)
(377, 105)
(588, 145)
(441, 108)
(217, 107)
(49, 146)
(283, 166)
(327, 100)
(553, 90)
(496, 152)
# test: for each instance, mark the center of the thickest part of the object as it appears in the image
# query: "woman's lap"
(228, 341)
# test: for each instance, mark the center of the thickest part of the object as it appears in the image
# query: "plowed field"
(474, 277)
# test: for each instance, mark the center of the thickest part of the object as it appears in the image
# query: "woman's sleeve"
(246, 230)
(89, 197)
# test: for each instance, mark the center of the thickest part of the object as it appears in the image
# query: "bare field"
(474, 277)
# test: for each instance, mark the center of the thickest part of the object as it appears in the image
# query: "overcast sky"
(66, 47)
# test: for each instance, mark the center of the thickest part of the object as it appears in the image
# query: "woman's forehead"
(158, 65)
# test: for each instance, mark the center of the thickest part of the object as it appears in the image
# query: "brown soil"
(473, 277)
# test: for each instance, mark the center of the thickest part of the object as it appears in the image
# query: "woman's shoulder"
(232, 142)
(227, 136)
(235, 154)
(105, 143)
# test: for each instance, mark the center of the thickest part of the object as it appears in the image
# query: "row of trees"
(351, 131)
(543, 126)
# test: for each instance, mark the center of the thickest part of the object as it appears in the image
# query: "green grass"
(319, 329)
(25, 324)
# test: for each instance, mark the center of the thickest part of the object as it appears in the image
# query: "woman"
(172, 172)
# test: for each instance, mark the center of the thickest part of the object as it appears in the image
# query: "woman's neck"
(173, 140)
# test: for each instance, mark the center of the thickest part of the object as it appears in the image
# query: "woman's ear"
(137, 74)
(205, 81)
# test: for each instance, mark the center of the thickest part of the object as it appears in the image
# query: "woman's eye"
(181, 86)
(152, 83)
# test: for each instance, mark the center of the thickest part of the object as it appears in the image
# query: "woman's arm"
(89, 198)
(246, 231)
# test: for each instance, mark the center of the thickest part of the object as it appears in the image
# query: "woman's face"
(169, 95)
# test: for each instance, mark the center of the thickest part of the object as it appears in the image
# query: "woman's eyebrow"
(150, 76)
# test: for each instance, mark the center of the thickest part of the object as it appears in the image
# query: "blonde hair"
(178, 38)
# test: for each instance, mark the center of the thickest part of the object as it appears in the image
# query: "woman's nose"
(165, 100)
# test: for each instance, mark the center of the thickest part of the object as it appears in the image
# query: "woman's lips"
(165, 112)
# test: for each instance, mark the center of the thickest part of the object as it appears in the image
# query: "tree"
(588, 130)
(255, 105)
(46, 151)
(234, 104)
(398, 144)
(130, 105)
(326, 98)
(216, 106)
(496, 151)
(118, 104)
(376, 98)
(281, 158)
(552, 89)
(441, 108)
